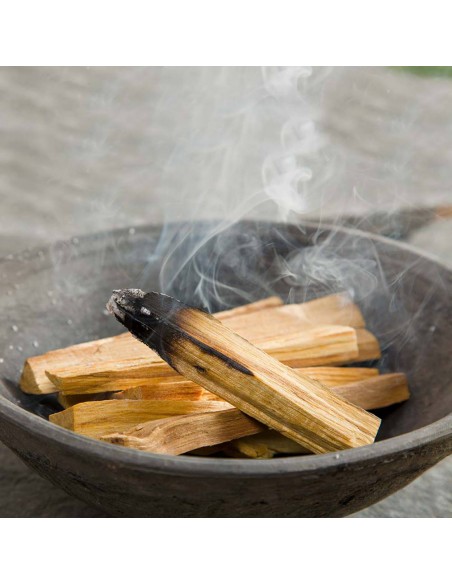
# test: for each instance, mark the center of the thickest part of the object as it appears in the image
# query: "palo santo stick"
(376, 392)
(264, 445)
(336, 309)
(204, 350)
(326, 345)
(96, 418)
(322, 345)
(337, 376)
(177, 386)
(368, 346)
(270, 302)
(184, 433)
(68, 401)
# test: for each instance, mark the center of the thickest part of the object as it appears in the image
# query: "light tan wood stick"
(207, 352)
(96, 418)
(368, 346)
(322, 345)
(179, 388)
(336, 376)
(264, 445)
(68, 401)
(376, 392)
(184, 433)
(336, 309)
(270, 302)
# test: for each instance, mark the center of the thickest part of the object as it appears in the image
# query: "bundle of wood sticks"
(256, 381)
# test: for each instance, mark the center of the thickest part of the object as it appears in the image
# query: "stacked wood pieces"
(117, 389)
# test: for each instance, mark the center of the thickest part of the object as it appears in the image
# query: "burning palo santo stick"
(165, 386)
(181, 434)
(34, 379)
(335, 309)
(317, 346)
(96, 418)
(207, 352)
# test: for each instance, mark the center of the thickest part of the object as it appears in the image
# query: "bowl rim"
(215, 467)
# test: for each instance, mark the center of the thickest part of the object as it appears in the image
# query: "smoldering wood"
(204, 350)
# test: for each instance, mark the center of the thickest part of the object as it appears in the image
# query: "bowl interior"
(56, 297)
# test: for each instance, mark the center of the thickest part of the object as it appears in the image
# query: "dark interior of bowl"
(56, 297)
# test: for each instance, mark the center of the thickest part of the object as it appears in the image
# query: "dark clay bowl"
(56, 297)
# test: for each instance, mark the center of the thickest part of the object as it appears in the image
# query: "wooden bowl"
(56, 297)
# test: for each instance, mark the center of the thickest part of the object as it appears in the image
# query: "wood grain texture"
(68, 401)
(96, 418)
(376, 392)
(336, 309)
(181, 434)
(270, 302)
(368, 345)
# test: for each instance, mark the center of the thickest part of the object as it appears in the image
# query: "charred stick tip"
(153, 318)
(149, 308)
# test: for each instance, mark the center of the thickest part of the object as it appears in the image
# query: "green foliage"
(427, 71)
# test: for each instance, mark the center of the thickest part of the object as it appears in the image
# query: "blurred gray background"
(89, 149)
